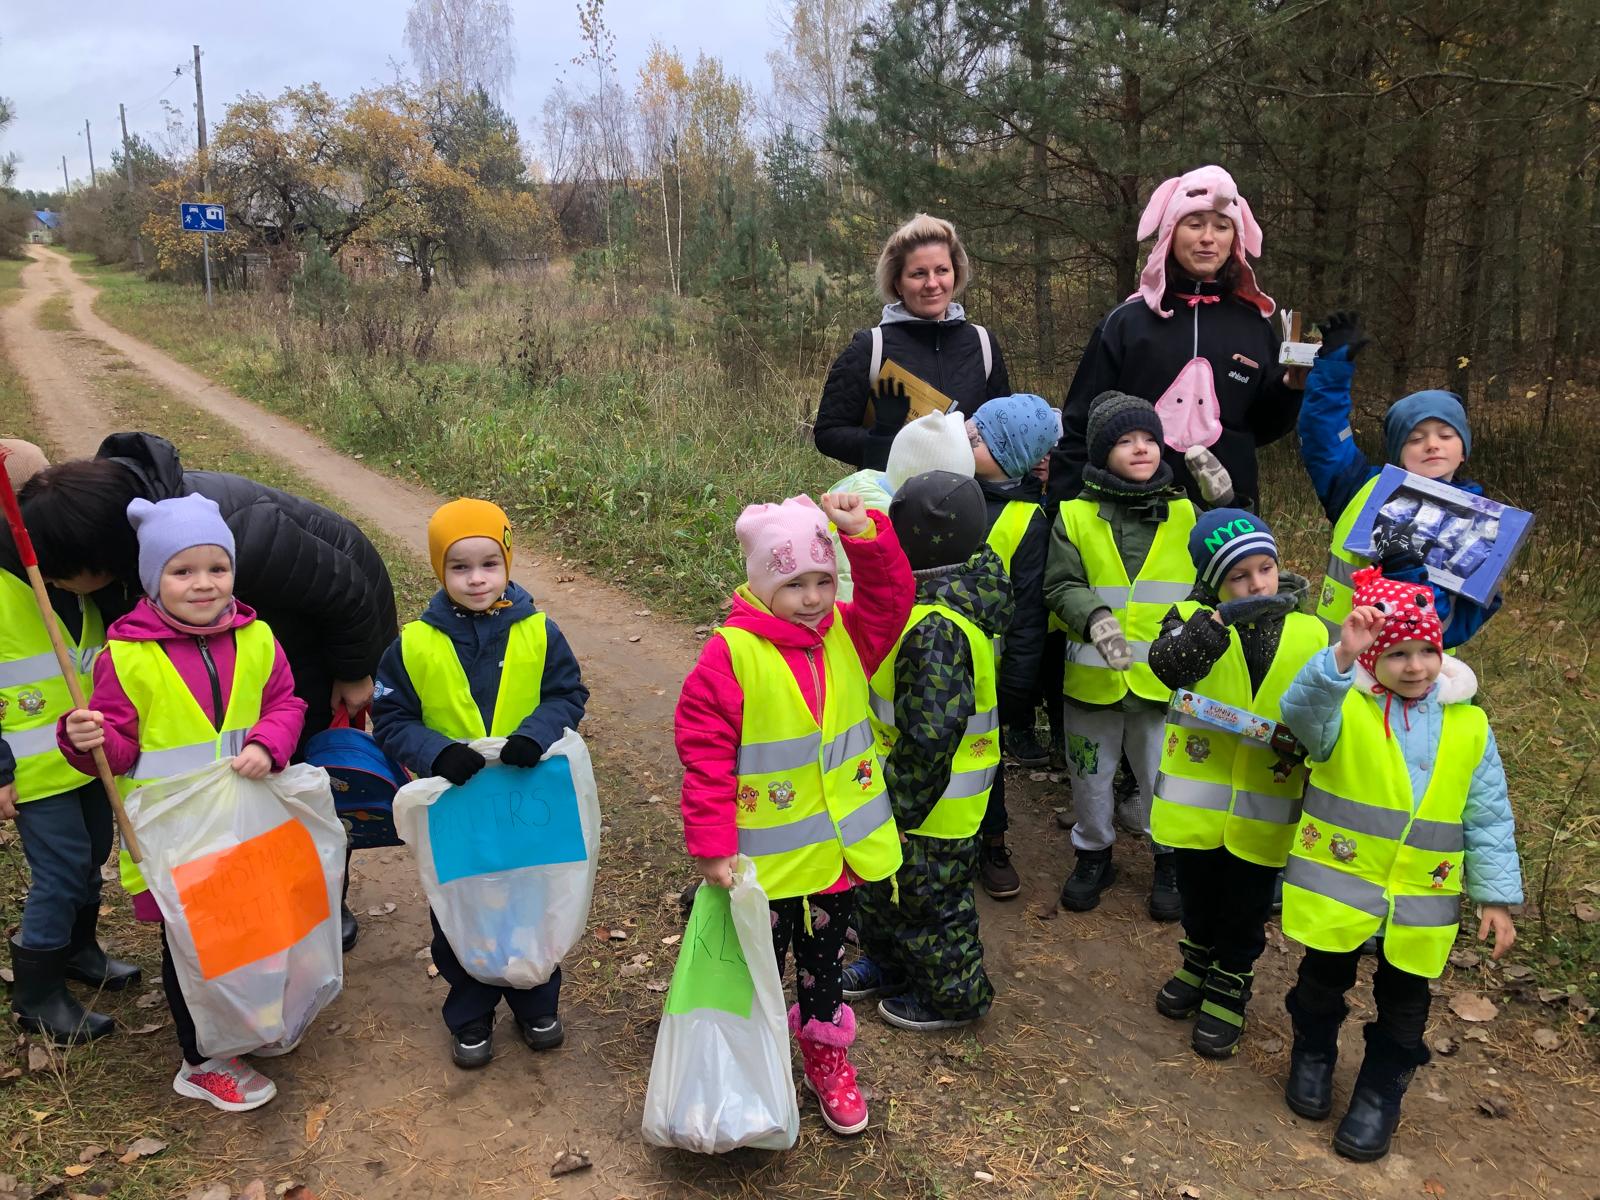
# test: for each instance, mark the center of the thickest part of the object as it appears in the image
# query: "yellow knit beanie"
(466, 518)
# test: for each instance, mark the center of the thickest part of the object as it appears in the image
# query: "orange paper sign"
(259, 898)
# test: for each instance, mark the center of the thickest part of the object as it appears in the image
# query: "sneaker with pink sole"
(226, 1083)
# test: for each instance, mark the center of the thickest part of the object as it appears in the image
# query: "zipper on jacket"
(816, 684)
(216, 682)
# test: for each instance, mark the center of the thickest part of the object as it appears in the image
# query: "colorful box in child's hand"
(1466, 541)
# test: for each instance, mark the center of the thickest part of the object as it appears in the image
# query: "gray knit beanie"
(1112, 414)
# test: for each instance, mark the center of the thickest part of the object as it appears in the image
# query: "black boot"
(1221, 1023)
(42, 1004)
(1179, 998)
(1309, 1091)
(1386, 1072)
(1094, 873)
(1165, 904)
(349, 930)
(87, 962)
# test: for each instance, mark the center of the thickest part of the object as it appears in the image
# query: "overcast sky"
(62, 63)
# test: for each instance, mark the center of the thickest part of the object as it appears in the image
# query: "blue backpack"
(364, 781)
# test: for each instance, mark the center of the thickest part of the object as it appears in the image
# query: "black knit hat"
(940, 519)
(1112, 414)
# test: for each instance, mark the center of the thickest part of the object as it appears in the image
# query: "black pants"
(472, 1002)
(1226, 903)
(1402, 998)
(182, 1022)
(818, 954)
(995, 820)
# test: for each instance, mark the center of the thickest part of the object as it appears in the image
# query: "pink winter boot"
(828, 1072)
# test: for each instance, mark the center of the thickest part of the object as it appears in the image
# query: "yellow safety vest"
(1362, 861)
(1009, 528)
(1337, 597)
(175, 735)
(1218, 788)
(441, 683)
(1165, 578)
(32, 693)
(959, 810)
(810, 798)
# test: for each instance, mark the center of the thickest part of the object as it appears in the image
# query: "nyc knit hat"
(1406, 413)
(940, 519)
(782, 541)
(1112, 414)
(1205, 189)
(1408, 607)
(466, 518)
(935, 442)
(1019, 430)
(169, 527)
(1222, 538)
(24, 460)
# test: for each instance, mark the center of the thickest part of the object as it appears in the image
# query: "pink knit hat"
(1408, 608)
(781, 541)
(1205, 189)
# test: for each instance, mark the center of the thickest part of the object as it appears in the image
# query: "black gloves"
(1342, 328)
(1248, 610)
(891, 406)
(521, 751)
(458, 763)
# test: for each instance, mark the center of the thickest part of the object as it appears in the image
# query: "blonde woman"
(921, 274)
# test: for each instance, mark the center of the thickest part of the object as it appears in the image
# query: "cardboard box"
(924, 398)
(1467, 541)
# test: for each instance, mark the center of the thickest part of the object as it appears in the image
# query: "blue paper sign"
(504, 818)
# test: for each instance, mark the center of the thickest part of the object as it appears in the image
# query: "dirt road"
(1073, 1086)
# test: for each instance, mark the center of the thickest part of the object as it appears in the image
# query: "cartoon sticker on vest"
(980, 745)
(1327, 591)
(337, 784)
(781, 794)
(1186, 703)
(863, 777)
(31, 701)
(1172, 742)
(1441, 873)
(749, 798)
(1343, 848)
(1198, 748)
(1310, 835)
(1188, 408)
(4, 704)
(1084, 754)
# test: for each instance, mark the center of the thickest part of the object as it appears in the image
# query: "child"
(480, 661)
(1406, 797)
(1117, 561)
(1225, 803)
(62, 814)
(189, 677)
(1011, 436)
(936, 717)
(774, 732)
(1427, 433)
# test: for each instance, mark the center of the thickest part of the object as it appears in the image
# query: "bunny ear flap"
(1157, 207)
(1249, 231)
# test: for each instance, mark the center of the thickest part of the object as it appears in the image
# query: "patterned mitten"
(1107, 637)
(1216, 485)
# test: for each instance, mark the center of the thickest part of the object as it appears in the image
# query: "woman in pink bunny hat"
(1195, 340)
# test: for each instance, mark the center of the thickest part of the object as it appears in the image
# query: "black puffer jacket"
(308, 572)
(947, 354)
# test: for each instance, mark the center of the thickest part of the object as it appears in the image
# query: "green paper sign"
(711, 970)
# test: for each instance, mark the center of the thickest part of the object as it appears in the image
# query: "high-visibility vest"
(1337, 597)
(1165, 578)
(1363, 861)
(1009, 528)
(33, 695)
(1218, 788)
(960, 807)
(441, 685)
(175, 735)
(810, 798)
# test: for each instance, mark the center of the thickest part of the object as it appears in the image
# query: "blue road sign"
(203, 218)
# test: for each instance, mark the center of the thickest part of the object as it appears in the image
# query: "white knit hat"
(936, 442)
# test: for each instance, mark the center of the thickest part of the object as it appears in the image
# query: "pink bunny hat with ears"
(1205, 189)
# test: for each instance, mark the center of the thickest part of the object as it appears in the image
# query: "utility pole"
(66, 184)
(127, 164)
(88, 137)
(205, 167)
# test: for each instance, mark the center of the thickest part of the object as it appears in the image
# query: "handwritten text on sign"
(504, 818)
(711, 971)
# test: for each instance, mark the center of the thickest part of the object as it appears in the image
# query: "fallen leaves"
(1546, 1038)
(570, 1161)
(141, 1148)
(316, 1118)
(636, 965)
(1464, 958)
(1432, 1187)
(1444, 1045)
(89, 1153)
(1586, 912)
(381, 910)
(1470, 1006)
(1493, 1106)
(150, 1000)
(40, 1058)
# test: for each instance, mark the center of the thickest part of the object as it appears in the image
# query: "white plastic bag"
(247, 875)
(508, 860)
(721, 1077)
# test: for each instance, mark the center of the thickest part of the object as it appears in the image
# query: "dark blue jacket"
(480, 642)
(1339, 470)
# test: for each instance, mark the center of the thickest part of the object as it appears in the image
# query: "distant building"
(43, 225)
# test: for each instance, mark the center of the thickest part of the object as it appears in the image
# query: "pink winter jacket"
(710, 711)
(283, 714)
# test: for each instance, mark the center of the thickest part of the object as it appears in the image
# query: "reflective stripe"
(969, 783)
(26, 743)
(1441, 908)
(1113, 597)
(984, 722)
(763, 758)
(1447, 837)
(852, 742)
(1387, 823)
(163, 764)
(1336, 885)
(35, 669)
(780, 839)
(1259, 806)
(1192, 793)
(1341, 571)
(1085, 654)
(866, 820)
(1346, 434)
(1156, 591)
(882, 708)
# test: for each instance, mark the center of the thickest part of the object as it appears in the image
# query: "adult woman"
(1195, 340)
(921, 273)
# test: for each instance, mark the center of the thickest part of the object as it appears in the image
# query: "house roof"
(47, 218)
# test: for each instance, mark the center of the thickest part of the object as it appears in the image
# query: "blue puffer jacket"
(1313, 708)
(1339, 470)
(480, 642)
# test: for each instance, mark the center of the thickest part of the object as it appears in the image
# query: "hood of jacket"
(467, 629)
(152, 459)
(898, 314)
(1456, 683)
(978, 589)
(146, 624)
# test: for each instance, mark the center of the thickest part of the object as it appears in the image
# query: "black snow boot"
(1221, 1023)
(87, 962)
(1309, 1091)
(42, 1004)
(1386, 1072)
(1094, 873)
(1165, 904)
(1179, 998)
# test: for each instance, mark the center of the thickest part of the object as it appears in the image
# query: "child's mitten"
(1107, 637)
(1342, 329)
(1249, 609)
(521, 751)
(891, 407)
(458, 763)
(1216, 485)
